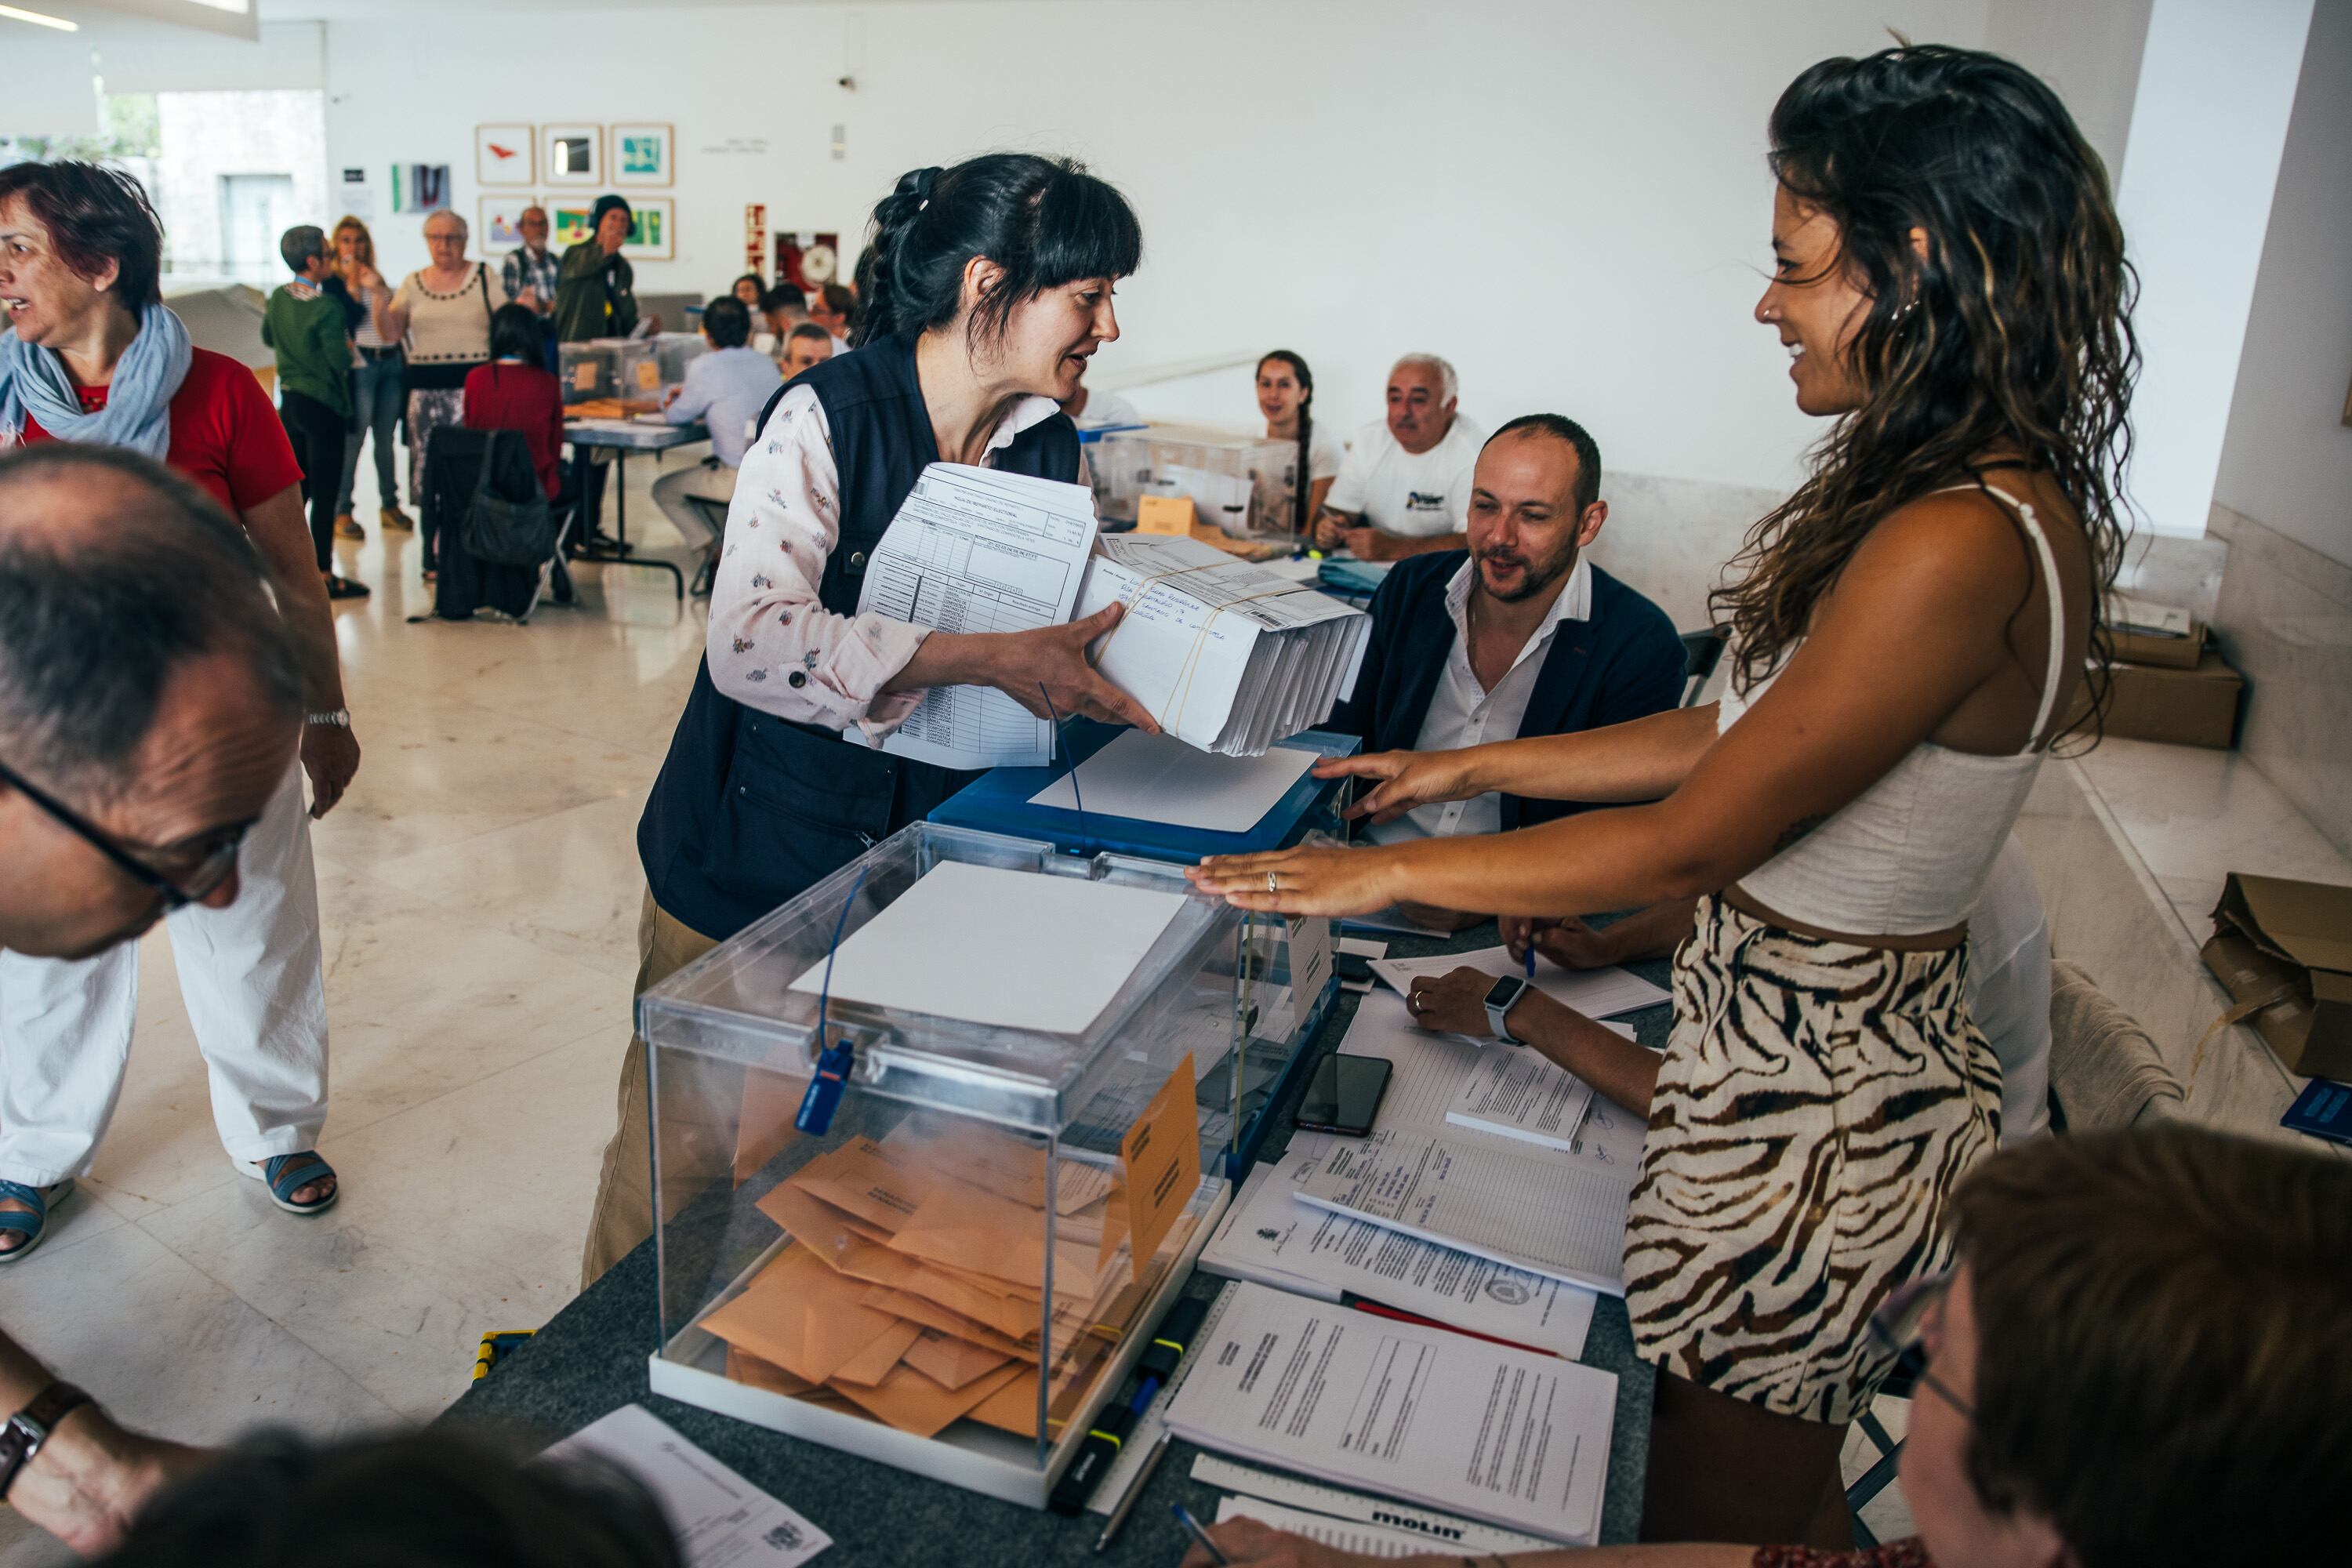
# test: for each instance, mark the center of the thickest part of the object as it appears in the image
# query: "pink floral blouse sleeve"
(772, 645)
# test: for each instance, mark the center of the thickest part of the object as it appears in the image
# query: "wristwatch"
(341, 718)
(30, 1427)
(1501, 997)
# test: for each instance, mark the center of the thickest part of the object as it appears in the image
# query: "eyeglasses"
(1900, 1326)
(210, 856)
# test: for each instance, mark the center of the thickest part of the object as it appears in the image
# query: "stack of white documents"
(973, 549)
(1227, 655)
(1509, 1436)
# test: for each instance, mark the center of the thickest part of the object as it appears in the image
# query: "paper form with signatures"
(976, 550)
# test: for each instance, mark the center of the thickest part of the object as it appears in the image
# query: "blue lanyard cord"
(831, 1071)
(1069, 763)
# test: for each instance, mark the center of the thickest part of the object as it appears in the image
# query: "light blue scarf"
(138, 412)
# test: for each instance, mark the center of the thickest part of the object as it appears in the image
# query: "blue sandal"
(34, 1225)
(285, 1174)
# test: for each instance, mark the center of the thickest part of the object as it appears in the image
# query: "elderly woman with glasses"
(441, 316)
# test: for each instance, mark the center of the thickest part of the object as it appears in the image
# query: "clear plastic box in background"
(673, 351)
(971, 1175)
(1239, 483)
(586, 371)
(636, 371)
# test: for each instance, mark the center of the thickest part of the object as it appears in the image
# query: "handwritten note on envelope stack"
(916, 1290)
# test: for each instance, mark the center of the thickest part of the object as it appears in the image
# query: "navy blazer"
(1624, 662)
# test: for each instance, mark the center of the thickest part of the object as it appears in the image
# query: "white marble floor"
(479, 888)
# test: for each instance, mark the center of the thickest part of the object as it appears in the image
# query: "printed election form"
(1159, 778)
(722, 1521)
(1493, 1432)
(1270, 1236)
(973, 549)
(1227, 655)
(1467, 1189)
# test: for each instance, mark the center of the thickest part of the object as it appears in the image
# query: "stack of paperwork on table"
(1491, 1195)
(1510, 1437)
(973, 549)
(1226, 655)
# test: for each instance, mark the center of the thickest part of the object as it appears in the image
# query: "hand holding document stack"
(1228, 656)
(973, 549)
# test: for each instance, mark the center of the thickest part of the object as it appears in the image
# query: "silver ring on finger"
(1272, 885)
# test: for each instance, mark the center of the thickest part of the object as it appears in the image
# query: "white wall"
(2209, 122)
(2287, 461)
(1567, 199)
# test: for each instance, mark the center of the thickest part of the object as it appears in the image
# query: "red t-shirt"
(521, 397)
(224, 433)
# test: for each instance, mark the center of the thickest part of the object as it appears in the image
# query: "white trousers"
(256, 994)
(712, 481)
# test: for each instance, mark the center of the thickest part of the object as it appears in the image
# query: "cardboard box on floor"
(2292, 943)
(2184, 707)
(2162, 652)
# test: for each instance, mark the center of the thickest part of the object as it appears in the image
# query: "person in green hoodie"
(303, 326)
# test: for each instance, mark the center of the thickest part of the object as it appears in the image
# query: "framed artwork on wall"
(643, 154)
(420, 187)
(567, 218)
(503, 155)
(576, 153)
(652, 236)
(499, 228)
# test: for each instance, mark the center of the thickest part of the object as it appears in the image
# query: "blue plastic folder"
(998, 801)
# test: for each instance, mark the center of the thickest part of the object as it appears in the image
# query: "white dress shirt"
(1464, 713)
(766, 620)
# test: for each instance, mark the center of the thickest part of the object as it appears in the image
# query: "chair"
(714, 516)
(1701, 652)
(2103, 1073)
(452, 469)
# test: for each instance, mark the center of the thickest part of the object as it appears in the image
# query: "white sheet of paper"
(1423, 1414)
(1345, 1535)
(1521, 1093)
(1159, 778)
(1595, 993)
(975, 551)
(1017, 950)
(1269, 1236)
(1430, 1071)
(721, 1520)
(1531, 1210)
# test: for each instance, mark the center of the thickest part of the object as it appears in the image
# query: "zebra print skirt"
(1817, 1103)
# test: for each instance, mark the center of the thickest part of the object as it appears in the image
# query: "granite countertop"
(591, 1359)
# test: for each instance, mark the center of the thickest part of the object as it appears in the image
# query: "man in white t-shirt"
(1404, 486)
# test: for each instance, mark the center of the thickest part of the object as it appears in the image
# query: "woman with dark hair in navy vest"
(986, 287)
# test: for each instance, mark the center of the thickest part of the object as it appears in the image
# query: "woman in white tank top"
(1906, 634)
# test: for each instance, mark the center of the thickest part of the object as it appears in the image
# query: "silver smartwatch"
(1501, 997)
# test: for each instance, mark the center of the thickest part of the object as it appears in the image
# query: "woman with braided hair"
(986, 288)
(1286, 395)
(1909, 633)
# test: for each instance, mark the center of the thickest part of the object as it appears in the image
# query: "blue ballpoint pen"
(1184, 1516)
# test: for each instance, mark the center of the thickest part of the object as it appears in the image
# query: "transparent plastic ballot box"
(636, 371)
(1240, 483)
(673, 351)
(955, 1267)
(1292, 983)
(586, 371)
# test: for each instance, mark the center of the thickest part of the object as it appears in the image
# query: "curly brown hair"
(2011, 335)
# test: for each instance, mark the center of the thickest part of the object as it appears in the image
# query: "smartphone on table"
(1344, 1095)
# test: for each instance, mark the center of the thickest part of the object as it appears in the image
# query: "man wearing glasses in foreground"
(149, 704)
(2138, 1363)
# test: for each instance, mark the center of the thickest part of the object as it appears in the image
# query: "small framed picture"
(642, 154)
(500, 229)
(503, 155)
(567, 219)
(651, 235)
(574, 154)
